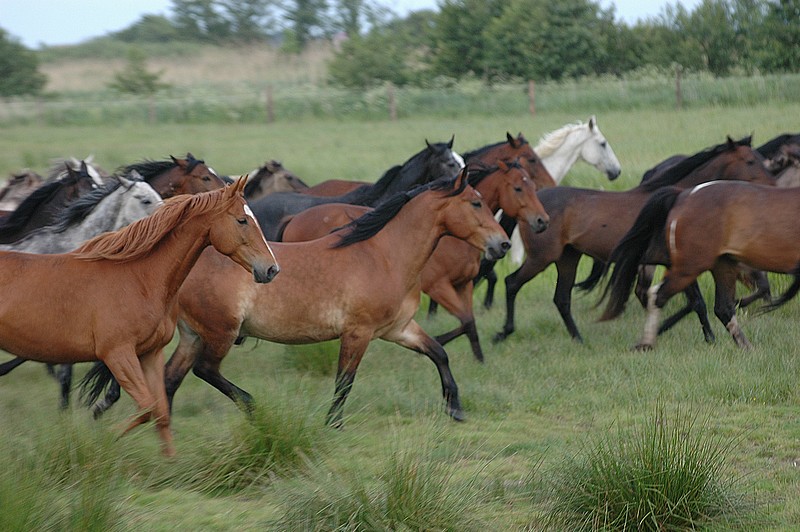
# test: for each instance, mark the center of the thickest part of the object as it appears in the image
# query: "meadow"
(537, 410)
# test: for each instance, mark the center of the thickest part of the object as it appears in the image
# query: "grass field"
(534, 408)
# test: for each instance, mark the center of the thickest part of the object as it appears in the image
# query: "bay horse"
(169, 178)
(272, 177)
(558, 150)
(432, 162)
(42, 206)
(357, 285)
(19, 186)
(712, 227)
(592, 222)
(447, 276)
(126, 308)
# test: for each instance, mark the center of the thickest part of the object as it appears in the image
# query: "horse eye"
(603, 144)
(147, 202)
(477, 204)
(242, 221)
(206, 178)
(517, 189)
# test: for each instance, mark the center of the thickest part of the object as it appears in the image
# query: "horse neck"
(170, 261)
(559, 162)
(409, 238)
(710, 171)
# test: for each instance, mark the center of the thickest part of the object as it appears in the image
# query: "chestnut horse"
(712, 227)
(448, 275)
(592, 222)
(356, 286)
(119, 293)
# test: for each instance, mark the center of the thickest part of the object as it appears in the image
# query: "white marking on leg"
(738, 336)
(653, 315)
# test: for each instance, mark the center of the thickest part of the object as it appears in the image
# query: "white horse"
(120, 202)
(562, 148)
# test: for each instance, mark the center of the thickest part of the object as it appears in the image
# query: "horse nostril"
(273, 271)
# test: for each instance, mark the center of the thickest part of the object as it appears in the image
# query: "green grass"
(531, 408)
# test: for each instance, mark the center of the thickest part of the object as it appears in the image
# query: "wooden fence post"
(391, 101)
(270, 108)
(678, 93)
(532, 97)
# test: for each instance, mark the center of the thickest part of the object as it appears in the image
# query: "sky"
(56, 22)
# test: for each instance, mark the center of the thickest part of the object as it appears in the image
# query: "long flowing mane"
(23, 213)
(81, 207)
(139, 238)
(370, 223)
(479, 173)
(483, 149)
(551, 141)
(149, 169)
(769, 148)
(677, 172)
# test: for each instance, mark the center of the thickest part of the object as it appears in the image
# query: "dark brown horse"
(591, 222)
(176, 176)
(114, 299)
(375, 264)
(448, 275)
(712, 227)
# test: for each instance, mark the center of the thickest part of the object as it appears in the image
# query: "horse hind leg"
(762, 290)
(458, 301)
(694, 303)
(64, 376)
(725, 273)
(567, 267)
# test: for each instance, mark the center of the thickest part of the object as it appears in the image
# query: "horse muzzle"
(266, 274)
(538, 223)
(497, 247)
(613, 173)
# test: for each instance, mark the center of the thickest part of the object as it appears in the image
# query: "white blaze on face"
(459, 159)
(249, 212)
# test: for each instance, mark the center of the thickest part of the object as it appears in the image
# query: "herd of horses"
(266, 256)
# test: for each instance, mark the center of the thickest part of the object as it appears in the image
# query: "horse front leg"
(567, 267)
(414, 338)
(353, 345)
(725, 273)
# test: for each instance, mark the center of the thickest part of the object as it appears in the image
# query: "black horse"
(434, 161)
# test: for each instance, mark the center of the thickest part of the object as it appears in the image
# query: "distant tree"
(136, 79)
(19, 67)
(710, 25)
(307, 19)
(459, 44)
(200, 20)
(149, 28)
(781, 37)
(249, 20)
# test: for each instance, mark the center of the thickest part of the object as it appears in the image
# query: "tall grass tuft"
(72, 479)
(278, 435)
(663, 474)
(414, 489)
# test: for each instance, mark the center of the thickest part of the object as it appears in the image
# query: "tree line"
(492, 40)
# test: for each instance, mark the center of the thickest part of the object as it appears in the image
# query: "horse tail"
(786, 296)
(95, 382)
(594, 277)
(631, 249)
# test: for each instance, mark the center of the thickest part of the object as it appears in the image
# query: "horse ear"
(70, 171)
(461, 179)
(428, 144)
(450, 144)
(510, 139)
(592, 122)
(127, 183)
(84, 168)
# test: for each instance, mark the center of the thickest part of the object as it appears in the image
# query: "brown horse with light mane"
(448, 275)
(119, 292)
(356, 286)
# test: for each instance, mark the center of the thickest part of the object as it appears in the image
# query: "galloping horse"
(269, 178)
(360, 284)
(448, 275)
(711, 227)
(42, 206)
(433, 162)
(176, 176)
(19, 186)
(120, 289)
(591, 222)
(558, 150)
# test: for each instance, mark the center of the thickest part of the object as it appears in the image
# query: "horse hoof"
(643, 347)
(499, 337)
(457, 414)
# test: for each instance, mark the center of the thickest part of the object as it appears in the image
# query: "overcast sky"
(54, 22)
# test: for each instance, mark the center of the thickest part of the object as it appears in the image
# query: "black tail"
(630, 251)
(95, 382)
(594, 277)
(786, 296)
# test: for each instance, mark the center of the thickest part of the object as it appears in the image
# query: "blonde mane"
(550, 142)
(139, 238)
